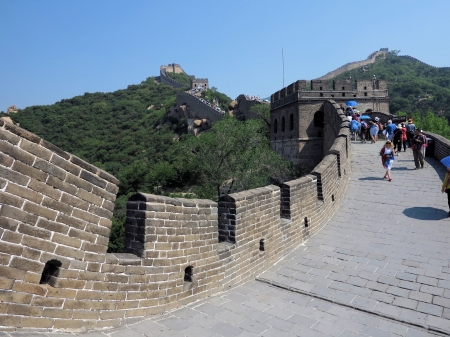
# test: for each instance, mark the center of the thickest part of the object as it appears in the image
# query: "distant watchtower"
(197, 83)
(298, 115)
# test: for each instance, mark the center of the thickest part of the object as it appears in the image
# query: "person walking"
(446, 187)
(387, 158)
(373, 129)
(404, 137)
(390, 128)
(354, 126)
(410, 129)
(398, 139)
(380, 127)
(363, 130)
(418, 141)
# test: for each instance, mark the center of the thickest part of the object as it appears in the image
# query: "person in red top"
(404, 137)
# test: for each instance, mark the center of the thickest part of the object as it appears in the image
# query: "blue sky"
(52, 50)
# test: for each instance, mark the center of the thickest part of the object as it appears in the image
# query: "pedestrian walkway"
(380, 267)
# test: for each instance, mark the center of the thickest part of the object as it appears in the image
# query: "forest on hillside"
(128, 133)
(413, 86)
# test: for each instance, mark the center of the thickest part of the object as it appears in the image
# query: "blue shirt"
(354, 125)
(390, 128)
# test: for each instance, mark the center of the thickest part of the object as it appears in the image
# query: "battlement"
(55, 216)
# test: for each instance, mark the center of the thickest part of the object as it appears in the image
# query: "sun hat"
(376, 119)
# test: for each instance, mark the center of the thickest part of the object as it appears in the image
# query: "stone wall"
(55, 220)
(441, 145)
(198, 109)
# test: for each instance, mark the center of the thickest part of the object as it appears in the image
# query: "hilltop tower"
(300, 119)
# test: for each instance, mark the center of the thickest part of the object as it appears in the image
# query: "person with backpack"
(387, 158)
(354, 127)
(362, 131)
(390, 128)
(380, 127)
(418, 144)
(373, 130)
(398, 139)
(410, 129)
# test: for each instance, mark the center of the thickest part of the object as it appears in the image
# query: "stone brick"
(10, 321)
(36, 149)
(69, 252)
(24, 310)
(17, 153)
(78, 182)
(85, 216)
(108, 177)
(89, 197)
(104, 213)
(31, 254)
(62, 293)
(65, 240)
(30, 288)
(61, 185)
(12, 176)
(6, 160)
(104, 194)
(17, 214)
(12, 273)
(71, 221)
(66, 283)
(37, 322)
(49, 168)
(44, 189)
(74, 201)
(6, 283)
(34, 231)
(65, 165)
(92, 179)
(57, 313)
(72, 324)
(22, 133)
(29, 171)
(108, 205)
(91, 247)
(39, 210)
(55, 149)
(42, 245)
(25, 193)
(112, 188)
(12, 237)
(53, 226)
(9, 137)
(27, 265)
(81, 163)
(8, 224)
(57, 206)
(9, 199)
(88, 295)
(47, 302)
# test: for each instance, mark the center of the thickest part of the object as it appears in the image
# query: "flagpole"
(282, 56)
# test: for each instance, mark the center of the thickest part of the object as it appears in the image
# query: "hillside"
(413, 85)
(131, 134)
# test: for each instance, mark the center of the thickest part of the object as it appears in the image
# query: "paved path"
(379, 268)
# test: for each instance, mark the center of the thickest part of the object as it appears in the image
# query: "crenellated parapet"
(55, 215)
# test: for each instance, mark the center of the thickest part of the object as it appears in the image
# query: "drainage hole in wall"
(306, 222)
(261, 245)
(332, 197)
(51, 268)
(188, 273)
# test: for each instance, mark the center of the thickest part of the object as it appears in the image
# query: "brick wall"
(56, 208)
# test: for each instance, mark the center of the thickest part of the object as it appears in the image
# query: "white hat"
(389, 121)
(376, 119)
(399, 126)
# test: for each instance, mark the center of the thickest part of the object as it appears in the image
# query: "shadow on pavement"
(426, 213)
(402, 168)
(371, 178)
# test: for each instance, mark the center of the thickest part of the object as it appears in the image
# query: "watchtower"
(299, 113)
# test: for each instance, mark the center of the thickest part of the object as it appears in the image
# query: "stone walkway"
(379, 268)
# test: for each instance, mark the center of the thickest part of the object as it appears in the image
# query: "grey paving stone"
(388, 280)
(302, 331)
(406, 276)
(229, 317)
(327, 329)
(377, 286)
(432, 290)
(343, 297)
(322, 291)
(301, 320)
(439, 323)
(364, 302)
(409, 285)
(442, 301)
(419, 296)
(398, 291)
(413, 316)
(212, 310)
(388, 309)
(340, 286)
(226, 330)
(272, 332)
(347, 333)
(360, 291)
(382, 297)
(444, 284)
(279, 324)
(195, 330)
(278, 312)
(338, 277)
(320, 305)
(430, 309)
(405, 303)
(126, 332)
(174, 323)
(393, 327)
(414, 332)
(256, 315)
(374, 332)
(431, 281)
(253, 326)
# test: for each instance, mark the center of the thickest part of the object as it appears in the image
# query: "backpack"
(380, 126)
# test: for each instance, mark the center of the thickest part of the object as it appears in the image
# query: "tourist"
(380, 126)
(387, 158)
(354, 127)
(404, 137)
(390, 128)
(410, 129)
(363, 130)
(417, 145)
(446, 186)
(398, 139)
(373, 129)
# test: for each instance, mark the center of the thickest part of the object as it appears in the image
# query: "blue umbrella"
(364, 117)
(351, 103)
(446, 161)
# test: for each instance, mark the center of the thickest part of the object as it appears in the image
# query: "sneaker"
(416, 168)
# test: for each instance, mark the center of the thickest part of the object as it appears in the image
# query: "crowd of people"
(253, 98)
(196, 91)
(397, 138)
